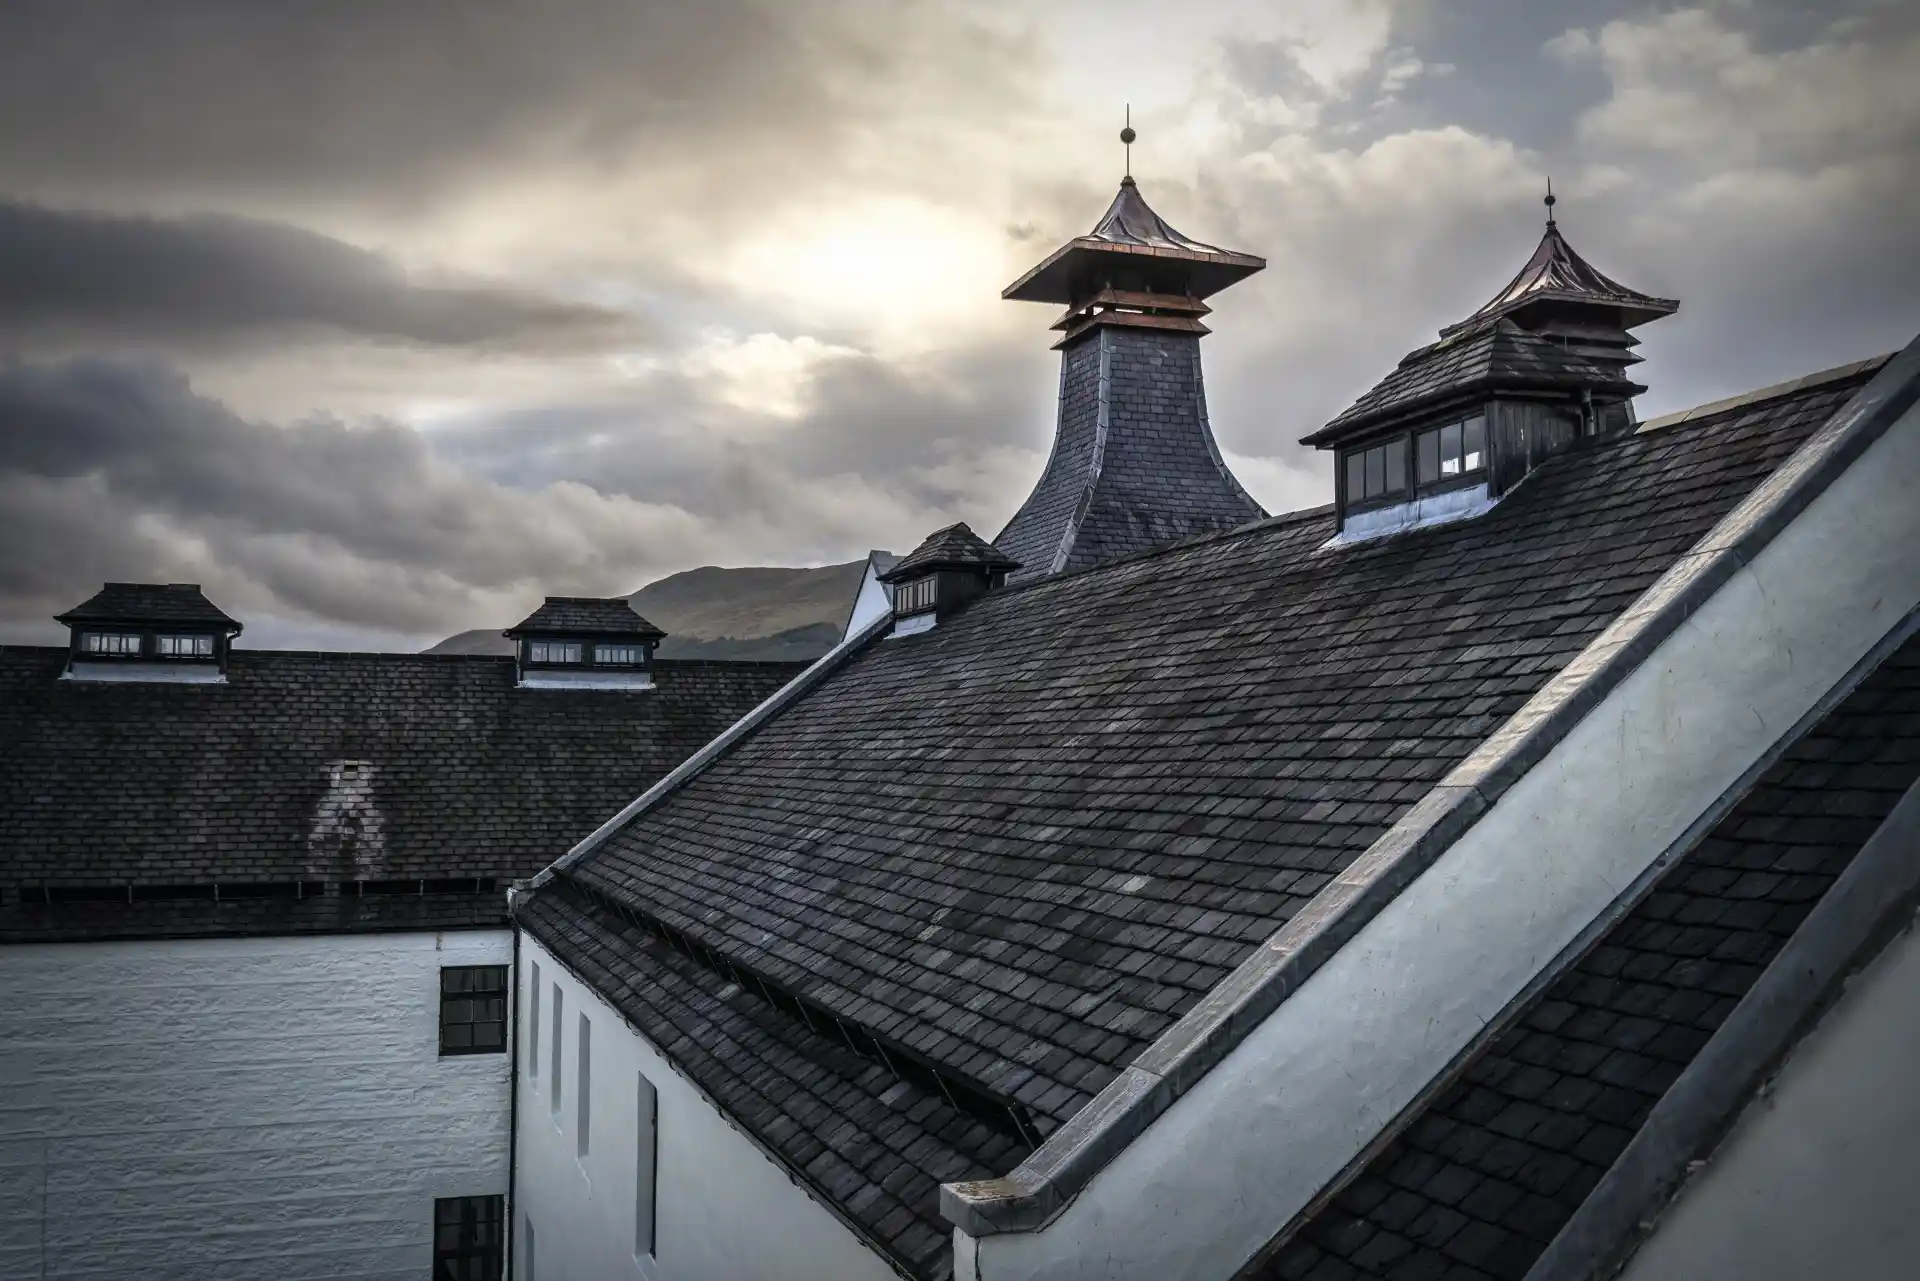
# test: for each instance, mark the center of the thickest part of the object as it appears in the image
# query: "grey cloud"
(78, 277)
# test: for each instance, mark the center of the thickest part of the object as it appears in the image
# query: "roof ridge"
(1760, 395)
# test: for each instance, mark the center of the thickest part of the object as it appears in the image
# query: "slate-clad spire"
(1134, 463)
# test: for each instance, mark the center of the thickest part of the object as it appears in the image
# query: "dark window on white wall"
(914, 596)
(583, 1089)
(1377, 472)
(473, 1009)
(554, 1067)
(533, 1024)
(647, 1171)
(467, 1238)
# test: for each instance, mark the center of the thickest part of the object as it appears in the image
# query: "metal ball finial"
(1127, 136)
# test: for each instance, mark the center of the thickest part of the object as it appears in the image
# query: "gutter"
(1047, 1181)
(806, 682)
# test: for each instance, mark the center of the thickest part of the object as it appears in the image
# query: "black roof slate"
(148, 603)
(1025, 843)
(1487, 1173)
(1555, 273)
(322, 767)
(1497, 355)
(955, 547)
(586, 616)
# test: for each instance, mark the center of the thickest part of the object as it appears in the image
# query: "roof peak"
(1132, 241)
(953, 546)
(1557, 273)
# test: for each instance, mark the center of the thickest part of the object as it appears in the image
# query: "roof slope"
(325, 768)
(951, 547)
(149, 603)
(1024, 844)
(1555, 272)
(1491, 1169)
(586, 616)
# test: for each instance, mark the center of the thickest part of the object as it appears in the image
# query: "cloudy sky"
(384, 319)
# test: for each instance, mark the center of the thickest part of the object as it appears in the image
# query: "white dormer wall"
(873, 600)
(722, 1208)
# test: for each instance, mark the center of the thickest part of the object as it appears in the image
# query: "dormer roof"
(149, 605)
(1555, 273)
(1131, 237)
(586, 616)
(954, 547)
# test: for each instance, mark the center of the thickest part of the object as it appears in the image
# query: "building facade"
(252, 921)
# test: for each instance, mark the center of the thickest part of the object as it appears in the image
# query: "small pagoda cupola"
(585, 642)
(148, 632)
(1133, 464)
(1536, 371)
(950, 568)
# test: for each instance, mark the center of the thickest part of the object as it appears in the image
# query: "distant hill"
(753, 613)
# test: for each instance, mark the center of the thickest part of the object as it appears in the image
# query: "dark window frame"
(916, 595)
(470, 998)
(1445, 480)
(469, 1238)
(1378, 461)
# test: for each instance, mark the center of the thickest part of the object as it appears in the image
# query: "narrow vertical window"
(1356, 476)
(647, 1168)
(1473, 444)
(558, 1008)
(583, 1103)
(533, 1024)
(1396, 450)
(1450, 450)
(1428, 469)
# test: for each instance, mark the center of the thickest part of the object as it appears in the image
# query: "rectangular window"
(553, 651)
(183, 646)
(1429, 460)
(1377, 472)
(1457, 449)
(558, 1004)
(473, 1009)
(1450, 450)
(913, 597)
(619, 655)
(533, 1024)
(468, 1238)
(111, 644)
(647, 1171)
(1473, 445)
(583, 1091)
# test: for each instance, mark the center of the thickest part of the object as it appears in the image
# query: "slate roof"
(1487, 1173)
(1497, 355)
(134, 603)
(955, 547)
(585, 616)
(1556, 273)
(1023, 844)
(324, 769)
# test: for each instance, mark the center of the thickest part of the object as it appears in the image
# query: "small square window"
(468, 1238)
(473, 1009)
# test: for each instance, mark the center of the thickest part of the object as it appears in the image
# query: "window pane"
(1356, 477)
(1396, 465)
(1376, 472)
(1428, 445)
(1450, 450)
(1474, 445)
(537, 652)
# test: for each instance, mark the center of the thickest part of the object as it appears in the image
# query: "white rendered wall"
(1245, 1149)
(1822, 1177)
(219, 1109)
(724, 1210)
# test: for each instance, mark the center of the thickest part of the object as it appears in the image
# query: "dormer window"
(554, 652)
(915, 597)
(585, 642)
(149, 632)
(1378, 472)
(110, 644)
(942, 574)
(1457, 449)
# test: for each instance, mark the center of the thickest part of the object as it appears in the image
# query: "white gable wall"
(1251, 1143)
(724, 1211)
(218, 1109)
(1821, 1178)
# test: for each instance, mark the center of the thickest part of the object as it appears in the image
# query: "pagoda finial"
(1549, 202)
(1127, 135)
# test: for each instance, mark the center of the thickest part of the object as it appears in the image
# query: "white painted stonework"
(228, 1109)
(1821, 1178)
(723, 1211)
(1244, 1150)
